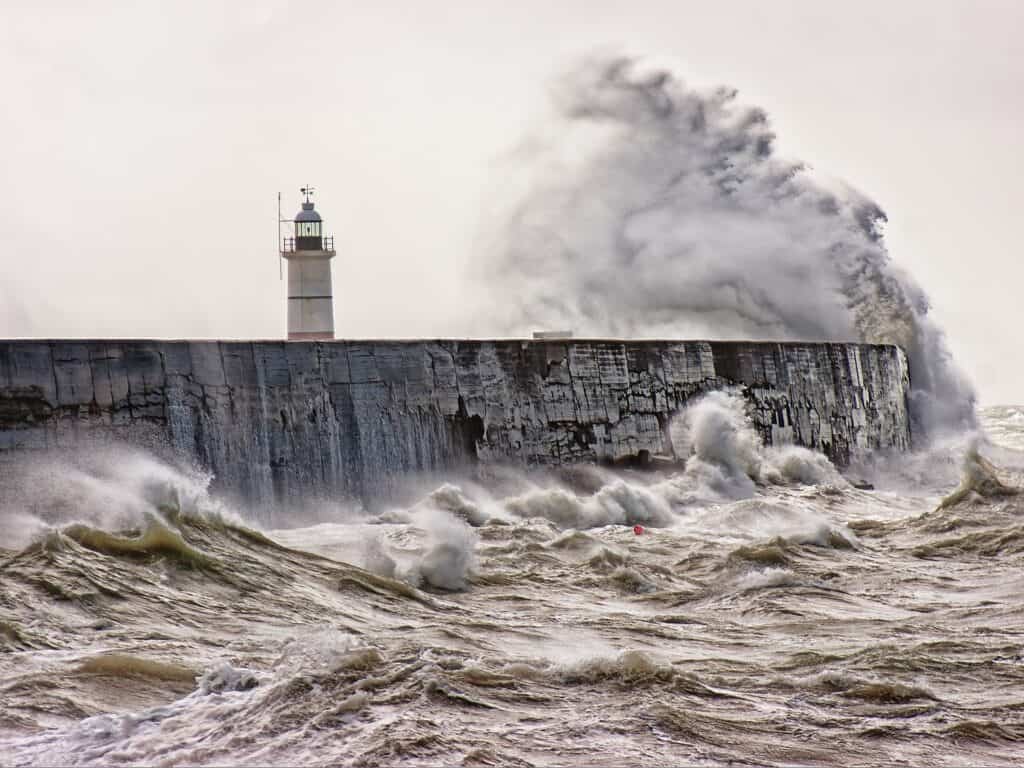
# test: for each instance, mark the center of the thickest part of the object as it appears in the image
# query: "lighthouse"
(310, 296)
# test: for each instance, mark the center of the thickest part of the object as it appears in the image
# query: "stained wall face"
(281, 420)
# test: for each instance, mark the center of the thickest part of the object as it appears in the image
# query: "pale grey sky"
(144, 144)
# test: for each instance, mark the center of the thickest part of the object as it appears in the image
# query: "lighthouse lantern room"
(310, 295)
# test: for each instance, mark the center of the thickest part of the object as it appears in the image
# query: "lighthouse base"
(310, 302)
(311, 336)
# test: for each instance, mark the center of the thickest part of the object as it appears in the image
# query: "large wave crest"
(649, 208)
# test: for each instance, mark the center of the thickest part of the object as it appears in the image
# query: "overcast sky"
(144, 145)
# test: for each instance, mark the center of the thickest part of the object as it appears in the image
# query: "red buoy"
(638, 529)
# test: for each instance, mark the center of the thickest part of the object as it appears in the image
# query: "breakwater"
(276, 420)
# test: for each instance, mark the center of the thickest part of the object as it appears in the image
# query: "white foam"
(725, 456)
(449, 555)
(112, 488)
(765, 578)
(759, 520)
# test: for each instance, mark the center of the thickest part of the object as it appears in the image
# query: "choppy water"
(770, 613)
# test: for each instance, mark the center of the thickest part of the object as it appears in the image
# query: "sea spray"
(449, 555)
(981, 478)
(724, 448)
(617, 503)
(725, 457)
(115, 488)
(645, 207)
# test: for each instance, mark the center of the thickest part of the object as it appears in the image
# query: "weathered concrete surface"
(277, 419)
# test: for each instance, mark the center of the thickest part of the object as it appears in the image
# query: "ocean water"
(766, 611)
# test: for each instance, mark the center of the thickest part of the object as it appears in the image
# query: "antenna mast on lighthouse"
(280, 255)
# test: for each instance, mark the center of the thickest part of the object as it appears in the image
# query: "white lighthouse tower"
(310, 296)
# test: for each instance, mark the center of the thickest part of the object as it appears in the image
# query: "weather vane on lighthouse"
(308, 253)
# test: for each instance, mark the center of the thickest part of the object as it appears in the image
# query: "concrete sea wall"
(275, 420)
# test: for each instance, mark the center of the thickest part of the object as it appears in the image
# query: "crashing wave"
(650, 208)
(980, 478)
